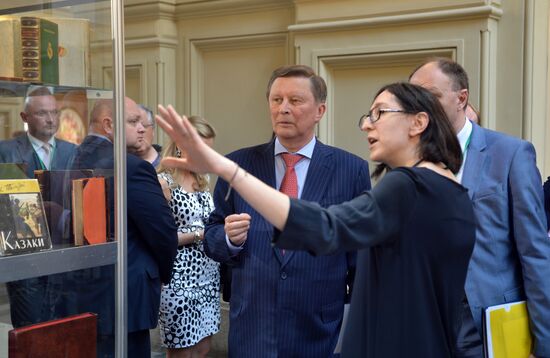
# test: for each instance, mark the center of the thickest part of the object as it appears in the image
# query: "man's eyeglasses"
(374, 115)
(44, 113)
(133, 122)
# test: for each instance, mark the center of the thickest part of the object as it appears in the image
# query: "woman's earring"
(178, 152)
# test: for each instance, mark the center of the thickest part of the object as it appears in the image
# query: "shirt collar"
(37, 143)
(306, 150)
(464, 134)
(101, 136)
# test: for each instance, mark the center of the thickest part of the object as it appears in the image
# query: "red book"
(89, 211)
(73, 336)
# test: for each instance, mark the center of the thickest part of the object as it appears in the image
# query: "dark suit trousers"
(29, 303)
(139, 345)
(469, 343)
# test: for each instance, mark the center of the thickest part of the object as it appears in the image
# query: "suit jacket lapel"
(264, 169)
(474, 160)
(27, 155)
(59, 154)
(317, 179)
(265, 166)
(320, 167)
(63, 155)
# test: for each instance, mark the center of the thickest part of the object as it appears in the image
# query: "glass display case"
(61, 241)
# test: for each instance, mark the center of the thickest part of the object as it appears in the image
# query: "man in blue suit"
(286, 304)
(511, 258)
(38, 149)
(152, 238)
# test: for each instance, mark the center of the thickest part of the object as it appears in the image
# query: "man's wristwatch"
(197, 237)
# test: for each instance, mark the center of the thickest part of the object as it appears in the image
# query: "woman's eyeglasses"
(374, 115)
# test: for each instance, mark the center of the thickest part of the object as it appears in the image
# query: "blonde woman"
(190, 304)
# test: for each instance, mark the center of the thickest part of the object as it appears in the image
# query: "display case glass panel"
(57, 175)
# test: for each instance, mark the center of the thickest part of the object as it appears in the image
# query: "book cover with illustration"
(23, 226)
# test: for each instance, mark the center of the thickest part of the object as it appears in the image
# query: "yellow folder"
(507, 333)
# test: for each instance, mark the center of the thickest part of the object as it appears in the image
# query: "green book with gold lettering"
(39, 50)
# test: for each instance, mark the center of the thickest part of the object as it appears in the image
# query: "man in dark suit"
(96, 150)
(511, 258)
(291, 301)
(152, 237)
(38, 149)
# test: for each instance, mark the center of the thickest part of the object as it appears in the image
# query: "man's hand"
(236, 228)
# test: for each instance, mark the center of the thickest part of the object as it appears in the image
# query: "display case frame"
(25, 266)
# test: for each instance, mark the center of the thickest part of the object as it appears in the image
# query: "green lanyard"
(467, 143)
(42, 165)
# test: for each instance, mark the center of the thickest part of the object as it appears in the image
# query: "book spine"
(49, 51)
(30, 49)
(43, 177)
(10, 48)
(39, 50)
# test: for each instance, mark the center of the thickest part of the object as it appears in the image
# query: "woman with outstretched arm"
(415, 228)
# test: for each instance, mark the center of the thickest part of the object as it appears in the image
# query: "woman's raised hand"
(200, 158)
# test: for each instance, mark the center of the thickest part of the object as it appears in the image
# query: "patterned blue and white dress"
(190, 303)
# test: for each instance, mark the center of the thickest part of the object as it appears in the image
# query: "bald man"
(152, 237)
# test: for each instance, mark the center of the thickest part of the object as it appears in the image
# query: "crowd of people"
(456, 223)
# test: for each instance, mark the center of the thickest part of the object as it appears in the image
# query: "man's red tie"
(289, 185)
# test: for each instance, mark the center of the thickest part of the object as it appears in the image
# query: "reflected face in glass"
(41, 116)
(149, 131)
(388, 137)
(294, 111)
(135, 131)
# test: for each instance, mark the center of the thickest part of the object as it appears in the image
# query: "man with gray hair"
(148, 151)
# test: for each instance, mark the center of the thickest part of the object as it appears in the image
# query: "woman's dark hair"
(438, 142)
